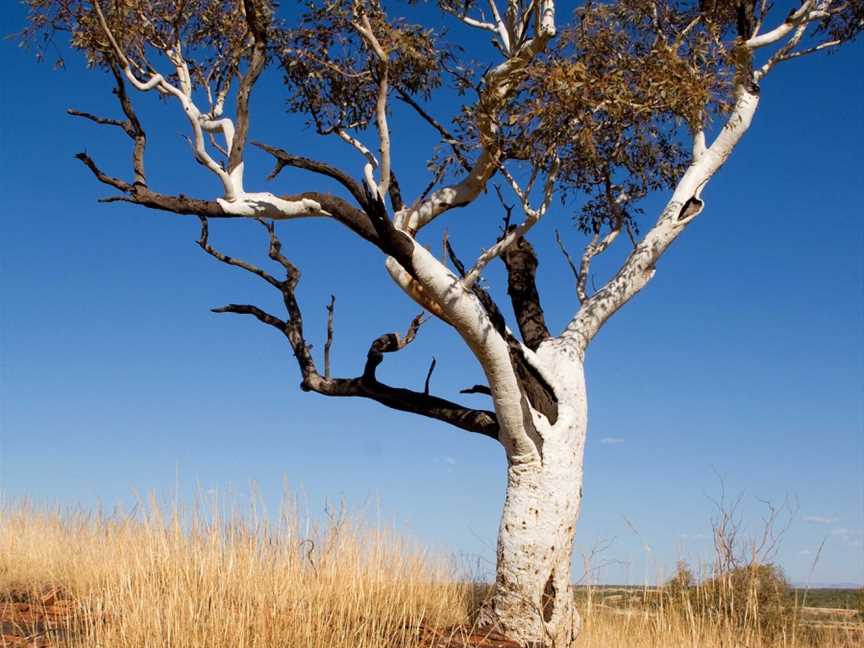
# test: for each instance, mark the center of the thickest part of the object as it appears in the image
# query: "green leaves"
(332, 74)
(214, 35)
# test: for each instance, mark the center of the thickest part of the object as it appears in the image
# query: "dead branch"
(329, 343)
(429, 376)
(390, 343)
(285, 159)
(364, 386)
(476, 389)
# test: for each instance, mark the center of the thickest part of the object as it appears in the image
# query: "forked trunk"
(533, 598)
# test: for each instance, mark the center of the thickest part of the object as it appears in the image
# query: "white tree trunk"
(533, 598)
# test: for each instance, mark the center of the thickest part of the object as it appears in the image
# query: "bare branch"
(532, 216)
(811, 50)
(506, 35)
(365, 386)
(476, 389)
(274, 251)
(99, 120)
(329, 343)
(479, 421)
(448, 137)
(599, 245)
(429, 376)
(132, 127)
(260, 315)
(786, 51)
(451, 253)
(567, 256)
(395, 193)
(102, 176)
(204, 243)
(390, 343)
(371, 160)
(471, 22)
(285, 159)
(535, 388)
(684, 206)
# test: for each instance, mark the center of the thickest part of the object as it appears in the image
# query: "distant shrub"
(682, 581)
(753, 597)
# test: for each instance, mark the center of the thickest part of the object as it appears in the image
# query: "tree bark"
(533, 598)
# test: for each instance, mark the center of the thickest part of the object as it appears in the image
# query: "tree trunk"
(533, 598)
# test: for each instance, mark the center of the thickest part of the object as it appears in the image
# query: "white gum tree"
(627, 97)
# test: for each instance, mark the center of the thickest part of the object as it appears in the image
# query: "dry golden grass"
(677, 626)
(199, 580)
(184, 581)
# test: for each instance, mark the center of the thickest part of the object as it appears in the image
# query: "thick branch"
(254, 205)
(793, 20)
(521, 262)
(684, 206)
(393, 241)
(480, 421)
(257, 19)
(310, 204)
(538, 392)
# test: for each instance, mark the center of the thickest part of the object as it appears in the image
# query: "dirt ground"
(32, 619)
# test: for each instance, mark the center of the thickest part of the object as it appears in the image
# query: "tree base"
(464, 637)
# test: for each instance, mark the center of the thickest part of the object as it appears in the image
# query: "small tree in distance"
(630, 97)
(681, 581)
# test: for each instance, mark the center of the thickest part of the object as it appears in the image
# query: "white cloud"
(820, 519)
(804, 552)
(611, 440)
(450, 460)
(850, 537)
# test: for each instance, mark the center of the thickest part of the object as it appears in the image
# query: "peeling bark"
(521, 262)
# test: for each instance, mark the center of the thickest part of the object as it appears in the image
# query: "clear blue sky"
(742, 359)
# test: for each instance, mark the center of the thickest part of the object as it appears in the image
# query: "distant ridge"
(846, 585)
